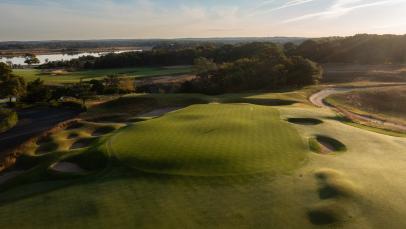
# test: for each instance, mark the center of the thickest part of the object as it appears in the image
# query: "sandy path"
(319, 97)
(67, 167)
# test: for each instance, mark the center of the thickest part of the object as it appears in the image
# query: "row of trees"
(360, 49)
(225, 68)
(269, 68)
(165, 56)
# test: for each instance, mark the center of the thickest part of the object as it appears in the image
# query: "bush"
(8, 119)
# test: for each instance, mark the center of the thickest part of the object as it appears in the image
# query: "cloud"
(263, 7)
(342, 7)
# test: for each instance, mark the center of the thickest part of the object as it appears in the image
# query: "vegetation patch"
(8, 119)
(305, 121)
(214, 139)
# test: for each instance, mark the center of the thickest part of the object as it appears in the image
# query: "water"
(56, 57)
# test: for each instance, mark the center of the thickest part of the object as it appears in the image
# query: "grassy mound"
(211, 139)
(305, 121)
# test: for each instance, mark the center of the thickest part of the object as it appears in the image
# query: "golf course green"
(213, 139)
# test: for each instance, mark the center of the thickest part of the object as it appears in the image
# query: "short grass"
(214, 139)
(354, 189)
(74, 77)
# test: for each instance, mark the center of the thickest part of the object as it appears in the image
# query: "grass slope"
(213, 139)
(74, 77)
(387, 103)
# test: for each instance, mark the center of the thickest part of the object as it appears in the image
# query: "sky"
(120, 19)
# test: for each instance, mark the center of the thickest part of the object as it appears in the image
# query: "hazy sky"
(97, 19)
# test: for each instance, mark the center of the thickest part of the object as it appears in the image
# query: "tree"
(126, 85)
(31, 59)
(82, 91)
(10, 84)
(37, 92)
(203, 66)
(112, 83)
(5, 70)
(97, 86)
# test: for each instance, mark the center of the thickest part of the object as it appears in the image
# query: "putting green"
(214, 139)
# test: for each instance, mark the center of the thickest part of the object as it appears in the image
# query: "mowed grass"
(330, 191)
(213, 139)
(62, 77)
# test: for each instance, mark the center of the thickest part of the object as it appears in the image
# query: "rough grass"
(387, 103)
(8, 119)
(74, 77)
(213, 139)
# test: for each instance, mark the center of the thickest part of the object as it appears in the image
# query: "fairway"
(214, 139)
(76, 76)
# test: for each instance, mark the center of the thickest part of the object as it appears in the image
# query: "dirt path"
(32, 122)
(319, 97)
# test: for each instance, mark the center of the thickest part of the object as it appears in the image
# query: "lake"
(56, 57)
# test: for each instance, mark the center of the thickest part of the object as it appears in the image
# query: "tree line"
(358, 49)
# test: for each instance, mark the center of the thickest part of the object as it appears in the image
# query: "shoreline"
(21, 52)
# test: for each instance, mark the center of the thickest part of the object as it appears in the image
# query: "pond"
(56, 57)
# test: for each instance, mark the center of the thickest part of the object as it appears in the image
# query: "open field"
(86, 176)
(63, 77)
(386, 103)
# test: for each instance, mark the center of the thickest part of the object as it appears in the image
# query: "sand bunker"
(324, 145)
(103, 130)
(67, 167)
(305, 121)
(46, 148)
(82, 143)
(160, 112)
(9, 175)
(73, 135)
(75, 125)
(328, 213)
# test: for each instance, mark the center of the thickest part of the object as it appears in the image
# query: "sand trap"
(73, 135)
(159, 112)
(67, 167)
(9, 175)
(305, 121)
(82, 143)
(103, 130)
(75, 125)
(330, 144)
